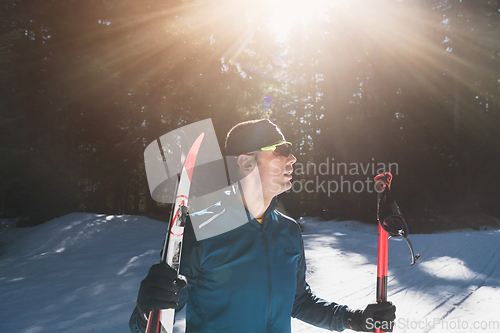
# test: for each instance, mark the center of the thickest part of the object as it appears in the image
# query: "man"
(251, 278)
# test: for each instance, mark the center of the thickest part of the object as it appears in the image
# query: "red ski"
(162, 321)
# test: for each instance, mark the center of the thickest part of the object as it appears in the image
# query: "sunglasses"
(280, 149)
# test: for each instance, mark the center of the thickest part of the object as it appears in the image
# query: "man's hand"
(375, 315)
(160, 289)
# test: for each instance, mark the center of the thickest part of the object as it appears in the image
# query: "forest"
(357, 86)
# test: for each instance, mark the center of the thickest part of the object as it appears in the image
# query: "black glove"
(160, 289)
(375, 315)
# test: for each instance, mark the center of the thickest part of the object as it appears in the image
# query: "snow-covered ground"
(81, 273)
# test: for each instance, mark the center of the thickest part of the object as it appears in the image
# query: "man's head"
(260, 143)
(250, 136)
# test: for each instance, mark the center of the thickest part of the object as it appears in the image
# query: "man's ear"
(247, 162)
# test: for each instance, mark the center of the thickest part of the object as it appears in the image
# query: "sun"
(284, 14)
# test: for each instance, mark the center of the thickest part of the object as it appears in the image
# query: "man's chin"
(286, 186)
(281, 186)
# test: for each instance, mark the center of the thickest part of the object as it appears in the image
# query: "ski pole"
(391, 223)
(383, 243)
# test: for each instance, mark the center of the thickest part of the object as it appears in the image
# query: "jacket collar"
(267, 216)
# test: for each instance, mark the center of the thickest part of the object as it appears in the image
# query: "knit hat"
(250, 136)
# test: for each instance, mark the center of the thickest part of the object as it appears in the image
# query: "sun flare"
(284, 14)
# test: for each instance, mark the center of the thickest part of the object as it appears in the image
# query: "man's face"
(275, 172)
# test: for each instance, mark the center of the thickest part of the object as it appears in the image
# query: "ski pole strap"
(388, 213)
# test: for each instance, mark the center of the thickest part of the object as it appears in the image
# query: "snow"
(81, 273)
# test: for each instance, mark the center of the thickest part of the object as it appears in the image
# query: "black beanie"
(250, 136)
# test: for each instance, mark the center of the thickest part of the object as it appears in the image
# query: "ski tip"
(193, 153)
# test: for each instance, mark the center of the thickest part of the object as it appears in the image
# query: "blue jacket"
(251, 279)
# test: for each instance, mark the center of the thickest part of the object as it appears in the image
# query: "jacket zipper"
(266, 245)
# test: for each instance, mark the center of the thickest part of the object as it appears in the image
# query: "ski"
(162, 321)
(391, 223)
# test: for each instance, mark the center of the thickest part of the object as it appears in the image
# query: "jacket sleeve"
(312, 309)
